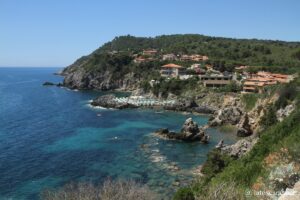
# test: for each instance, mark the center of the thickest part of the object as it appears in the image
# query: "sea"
(50, 136)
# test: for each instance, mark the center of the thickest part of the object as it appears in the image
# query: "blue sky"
(56, 32)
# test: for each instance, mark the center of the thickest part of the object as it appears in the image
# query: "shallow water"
(49, 136)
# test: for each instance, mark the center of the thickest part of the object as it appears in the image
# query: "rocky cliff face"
(79, 78)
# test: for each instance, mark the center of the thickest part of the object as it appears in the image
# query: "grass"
(244, 172)
(250, 100)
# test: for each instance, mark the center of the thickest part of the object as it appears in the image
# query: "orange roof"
(259, 79)
(171, 65)
(280, 75)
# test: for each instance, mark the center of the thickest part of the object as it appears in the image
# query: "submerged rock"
(190, 132)
(109, 101)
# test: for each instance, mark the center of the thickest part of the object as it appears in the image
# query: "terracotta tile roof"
(171, 65)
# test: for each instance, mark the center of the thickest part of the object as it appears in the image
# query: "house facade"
(215, 80)
(172, 70)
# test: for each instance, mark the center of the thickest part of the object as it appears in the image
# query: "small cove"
(50, 137)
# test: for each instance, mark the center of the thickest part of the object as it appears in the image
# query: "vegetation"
(174, 86)
(224, 53)
(110, 190)
(249, 100)
(244, 172)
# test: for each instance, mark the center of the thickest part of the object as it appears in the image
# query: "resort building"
(215, 80)
(169, 57)
(241, 68)
(172, 70)
(150, 52)
(194, 57)
(258, 81)
(140, 60)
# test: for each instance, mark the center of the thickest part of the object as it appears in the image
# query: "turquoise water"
(49, 136)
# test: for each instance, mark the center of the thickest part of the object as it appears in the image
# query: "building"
(257, 82)
(194, 57)
(172, 70)
(169, 57)
(241, 68)
(215, 80)
(150, 52)
(140, 60)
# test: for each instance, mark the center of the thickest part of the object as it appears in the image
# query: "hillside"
(112, 65)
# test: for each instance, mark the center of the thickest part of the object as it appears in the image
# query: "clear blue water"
(49, 136)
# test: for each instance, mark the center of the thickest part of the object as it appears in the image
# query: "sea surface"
(50, 136)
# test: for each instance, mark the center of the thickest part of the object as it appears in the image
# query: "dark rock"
(190, 132)
(182, 105)
(108, 101)
(47, 83)
(244, 128)
(204, 110)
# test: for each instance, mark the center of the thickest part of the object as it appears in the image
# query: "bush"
(249, 100)
(215, 163)
(269, 117)
(286, 94)
(109, 190)
(184, 194)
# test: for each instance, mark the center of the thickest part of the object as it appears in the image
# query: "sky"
(46, 33)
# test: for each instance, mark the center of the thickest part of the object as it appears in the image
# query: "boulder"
(229, 115)
(190, 132)
(284, 112)
(47, 83)
(240, 148)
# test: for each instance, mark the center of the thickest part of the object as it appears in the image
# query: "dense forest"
(283, 56)
(224, 54)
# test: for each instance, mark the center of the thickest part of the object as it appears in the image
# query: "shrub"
(269, 117)
(249, 100)
(184, 194)
(109, 190)
(215, 163)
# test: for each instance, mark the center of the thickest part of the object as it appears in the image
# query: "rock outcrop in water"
(47, 83)
(190, 132)
(108, 101)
